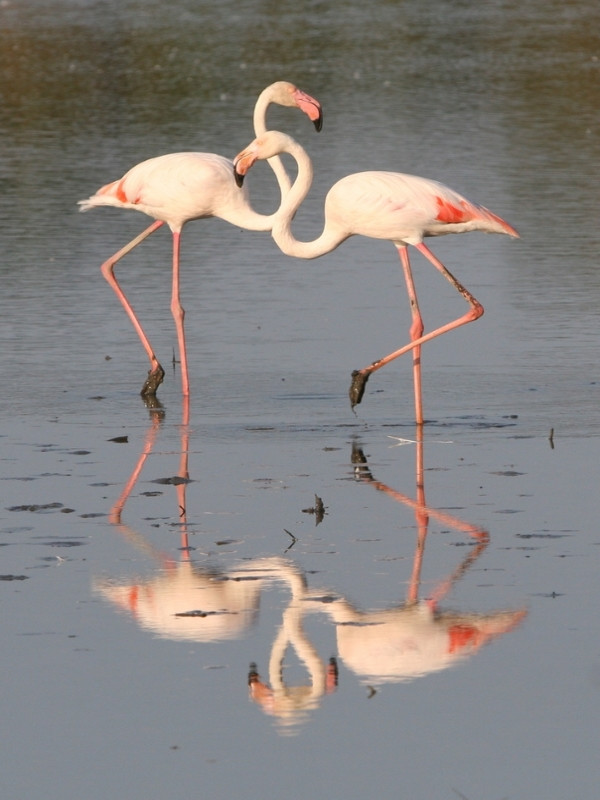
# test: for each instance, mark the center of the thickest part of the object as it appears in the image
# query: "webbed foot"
(357, 387)
(153, 381)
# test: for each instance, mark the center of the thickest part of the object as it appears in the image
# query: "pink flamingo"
(180, 187)
(382, 205)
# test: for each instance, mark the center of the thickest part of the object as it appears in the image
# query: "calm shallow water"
(128, 638)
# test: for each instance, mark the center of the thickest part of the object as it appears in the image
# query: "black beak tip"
(239, 179)
(318, 123)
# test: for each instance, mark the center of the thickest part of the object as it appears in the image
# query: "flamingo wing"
(174, 188)
(406, 208)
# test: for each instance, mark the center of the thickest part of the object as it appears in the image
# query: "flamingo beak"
(241, 164)
(311, 107)
(239, 179)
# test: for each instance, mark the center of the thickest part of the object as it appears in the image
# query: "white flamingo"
(382, 205)
(180, 187)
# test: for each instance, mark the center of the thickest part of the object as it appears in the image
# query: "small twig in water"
(294, 539)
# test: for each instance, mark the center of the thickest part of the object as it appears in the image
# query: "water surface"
(134, 603)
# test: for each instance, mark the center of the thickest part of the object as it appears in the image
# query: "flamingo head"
(270, 144)
(285, 93)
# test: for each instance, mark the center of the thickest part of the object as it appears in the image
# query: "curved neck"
(259, 120)
(329, 239)
(241, 213)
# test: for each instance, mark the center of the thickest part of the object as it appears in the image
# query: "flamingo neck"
(259, 120)
(242, 215)
(329, 239)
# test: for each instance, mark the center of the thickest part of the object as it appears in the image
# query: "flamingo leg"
(157, 416)
(178, 316)
(184, 477)
(416, 331)
(361, 376)
(156, 372)
(421, 518)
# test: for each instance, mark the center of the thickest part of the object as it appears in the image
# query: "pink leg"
(157, 416)
(184, 476)
(423, 513)
(156, 372)
(360, 376)
(416, 331)
(178, 316)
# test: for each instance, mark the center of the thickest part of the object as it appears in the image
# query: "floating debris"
(199, 613)
(318, 510)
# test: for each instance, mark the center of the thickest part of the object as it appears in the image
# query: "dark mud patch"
(41, 508)
(508, 473)
(173, 480)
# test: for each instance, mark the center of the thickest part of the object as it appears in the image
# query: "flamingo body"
(408, 642)
(179, 187)
(404, 209)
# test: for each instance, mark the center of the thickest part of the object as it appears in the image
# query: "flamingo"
(403, 209)
(180, 187)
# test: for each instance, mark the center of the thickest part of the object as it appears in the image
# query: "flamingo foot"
(357, 387)
(153, 381)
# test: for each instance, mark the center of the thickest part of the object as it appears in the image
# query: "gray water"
(134, 602)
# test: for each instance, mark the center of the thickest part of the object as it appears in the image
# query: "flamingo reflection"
(291, 704)
(185, 601)
(182, 601)
(416, 638)
(390, 645)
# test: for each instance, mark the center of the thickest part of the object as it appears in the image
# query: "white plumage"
(180, 187)
(383, 205)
